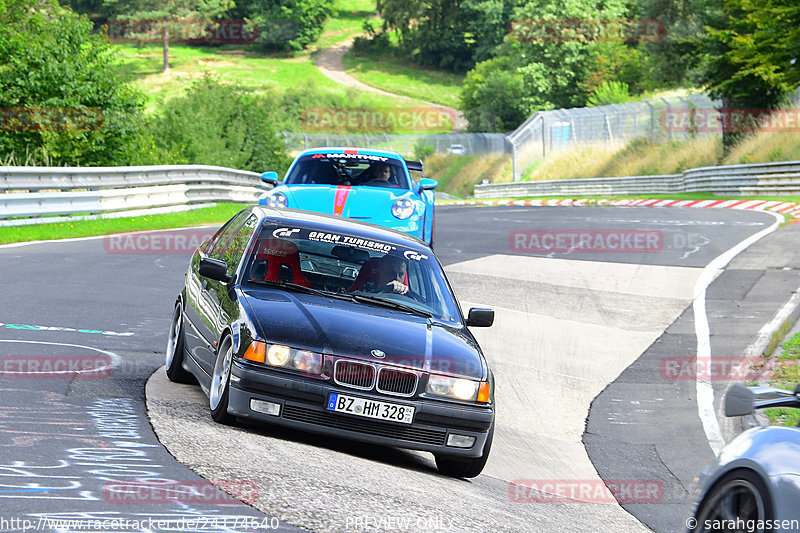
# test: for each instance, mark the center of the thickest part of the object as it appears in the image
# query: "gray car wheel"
(220, 380)
(175, 348)
(739, 497)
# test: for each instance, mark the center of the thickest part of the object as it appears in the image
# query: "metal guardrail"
(732, 180)
(40, 193)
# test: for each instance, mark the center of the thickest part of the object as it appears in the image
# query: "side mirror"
(480, 318)
(214, 269)
(270, 177)
(739, 400)
(426, 184)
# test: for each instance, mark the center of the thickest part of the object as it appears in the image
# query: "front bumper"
(303, 403)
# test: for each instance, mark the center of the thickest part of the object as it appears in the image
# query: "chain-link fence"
(657, 120)
(545, 132)
(409, 146)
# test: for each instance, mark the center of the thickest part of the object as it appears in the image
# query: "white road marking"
(705, 392)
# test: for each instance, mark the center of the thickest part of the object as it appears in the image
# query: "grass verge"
(786, 375)
(394, 74)
(105, 226)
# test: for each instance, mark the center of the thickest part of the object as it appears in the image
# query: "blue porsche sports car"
(369, 185)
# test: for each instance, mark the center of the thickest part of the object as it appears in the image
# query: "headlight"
(278, 355)
(277, 199)
(458, 388)
(403, 208)
(285, 357)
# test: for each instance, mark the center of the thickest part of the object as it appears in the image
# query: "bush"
(62, 99)
(217, 124)
(610, 92)
(423, 150)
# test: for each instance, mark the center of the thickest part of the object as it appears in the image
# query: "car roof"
(333, 224)
(353, 150)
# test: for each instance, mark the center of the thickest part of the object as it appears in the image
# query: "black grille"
(354, 374)
(396, 381)
(368, 427)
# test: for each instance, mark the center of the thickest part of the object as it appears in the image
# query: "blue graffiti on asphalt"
(58, 328)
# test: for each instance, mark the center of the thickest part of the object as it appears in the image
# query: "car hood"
(357, 202)
(354, 330)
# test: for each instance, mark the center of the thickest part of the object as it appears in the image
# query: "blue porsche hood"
(350, 202)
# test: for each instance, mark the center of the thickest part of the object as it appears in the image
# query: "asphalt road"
(570, 321)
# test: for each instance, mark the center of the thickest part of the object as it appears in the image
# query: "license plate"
(370, 408)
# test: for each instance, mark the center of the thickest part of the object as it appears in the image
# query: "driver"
(381, 174)
(392, 275)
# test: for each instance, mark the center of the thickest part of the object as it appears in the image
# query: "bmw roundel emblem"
(380, 354)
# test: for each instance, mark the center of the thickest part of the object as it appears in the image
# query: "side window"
(221, 240)
(233, 254)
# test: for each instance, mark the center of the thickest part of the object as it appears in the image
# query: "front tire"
(456, 467)
(175, 349)
(740, 494)
(220, 383)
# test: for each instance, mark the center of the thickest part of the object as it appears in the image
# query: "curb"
(786, 208)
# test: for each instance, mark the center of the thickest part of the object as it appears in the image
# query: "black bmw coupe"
(336, 327)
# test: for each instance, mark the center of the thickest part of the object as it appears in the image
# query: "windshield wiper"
(294, 286)
(390, 303)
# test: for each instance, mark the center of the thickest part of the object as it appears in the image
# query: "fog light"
(460, 441)
(267, 408)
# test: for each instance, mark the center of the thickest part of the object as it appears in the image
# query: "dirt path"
(329, 62)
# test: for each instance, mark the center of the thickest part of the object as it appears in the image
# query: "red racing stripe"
(341, 197)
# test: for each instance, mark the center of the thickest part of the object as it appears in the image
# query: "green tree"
(61, 98)
(285, 24)
(739, 70)
(493, 96)
(164, 16)
(448, 34)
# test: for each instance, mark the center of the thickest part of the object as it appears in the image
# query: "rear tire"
(740, 494)
(457, 467)
(220, 383)
(175, 349)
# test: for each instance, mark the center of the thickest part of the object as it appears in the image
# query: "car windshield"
(348, 169)
(351, 267)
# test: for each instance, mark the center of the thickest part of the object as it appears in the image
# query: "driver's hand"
(396, 286)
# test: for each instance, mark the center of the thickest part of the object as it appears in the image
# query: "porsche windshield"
(349, 266)
(348, 169)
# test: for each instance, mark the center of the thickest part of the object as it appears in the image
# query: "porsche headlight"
(403, 208)
(456, 388)
(277, 199)
(285, 357)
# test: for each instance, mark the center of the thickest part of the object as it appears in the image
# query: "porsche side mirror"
(480, 318)
(214, 269)
(426, 184)
(739, 400)
(270, 177)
